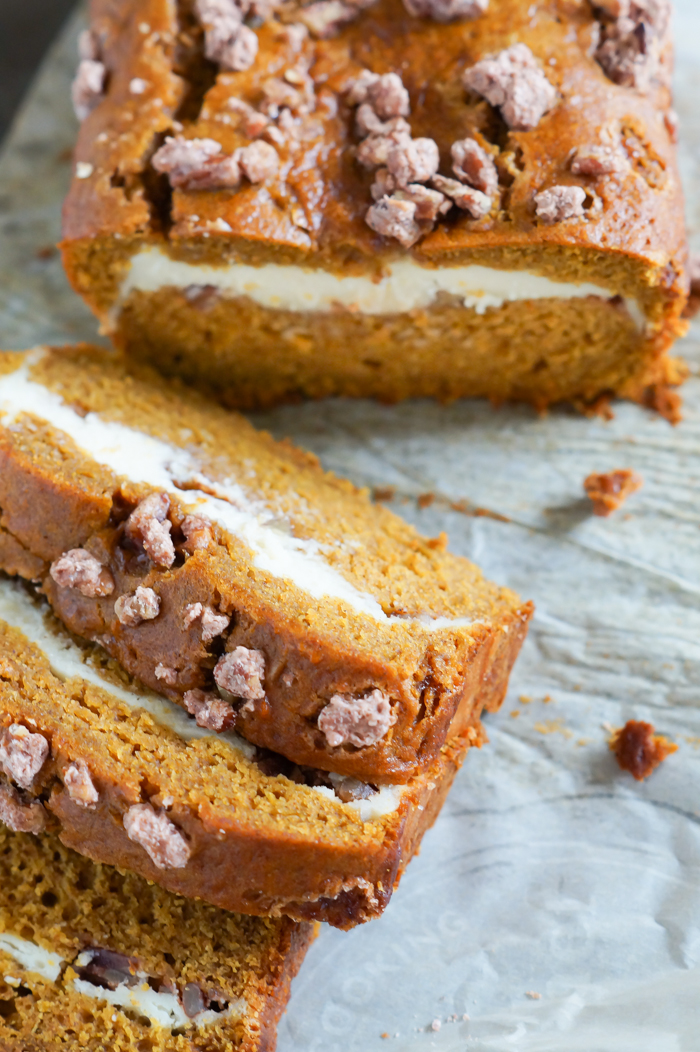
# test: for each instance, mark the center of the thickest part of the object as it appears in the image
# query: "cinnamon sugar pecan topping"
(325, 18)
(197, 531)
(19, 816)
(446, 10)
(142, 605)
(213, 624)
(429, 203)
(88, 86)
(597, 160)
(630, 48)
(413, 161)
(209, 710)
(22, 754)
(473, 165)
(356, 721)
(80, 785)
(560, 203)
(476, 203)
(158, 836)
(196, 164)
(227, 41)
(149, 527)
(78, 569)
(393, 217)
(258, 162)
(241, 673)
(513, 82)
(166, 674)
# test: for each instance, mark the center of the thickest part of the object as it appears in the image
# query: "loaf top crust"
(313, 210)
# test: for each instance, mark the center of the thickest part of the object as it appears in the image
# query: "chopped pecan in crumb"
(78, 569)
(392, 217)
(513, 81)
(209, 710)
(373, 152)
(149, 526)
(241, 673)
(609, 490)
(143, 605)
(358, 721)
(560, 203)
(429, 203)
(383, 185)
(629, 51)
(157, 835)
(80, 785)
(22, 754)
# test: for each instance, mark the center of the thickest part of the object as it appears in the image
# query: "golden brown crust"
(313, 649)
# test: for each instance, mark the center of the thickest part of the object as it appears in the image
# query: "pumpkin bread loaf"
(385, 198)
(229, 573)
(91, 958)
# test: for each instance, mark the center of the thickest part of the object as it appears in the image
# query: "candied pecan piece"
(560, 203)
(446, 10)
(413, 161)
(227, 41)
(78, 569)
(241, 672)
(149, 526)
(196, 164)
(384, 184)
(373, 152)
(473, 165)
(598, 160)
(259, 161)
(388, 96)
(88, 87)
(213, 624)
(22, 754)
(198, 532)
(80, 785)
(392, 217)
(512, 81)
(326, 17)
(359, 721)
(166, 674)
(157, 835)
(611, 489)
(209, 710)
(429, 203)
(476, 203)
(143, 605)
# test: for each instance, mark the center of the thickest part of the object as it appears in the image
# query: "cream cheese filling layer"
(405, 286)
(67, 661)
(137, 456)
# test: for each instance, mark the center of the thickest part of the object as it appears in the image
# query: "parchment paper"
(550, 871)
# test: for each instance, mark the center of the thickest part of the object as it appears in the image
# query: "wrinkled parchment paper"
(550, 872)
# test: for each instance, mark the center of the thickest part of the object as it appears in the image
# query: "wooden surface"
(27, 28)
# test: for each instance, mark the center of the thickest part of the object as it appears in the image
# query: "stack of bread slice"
(223, 671)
